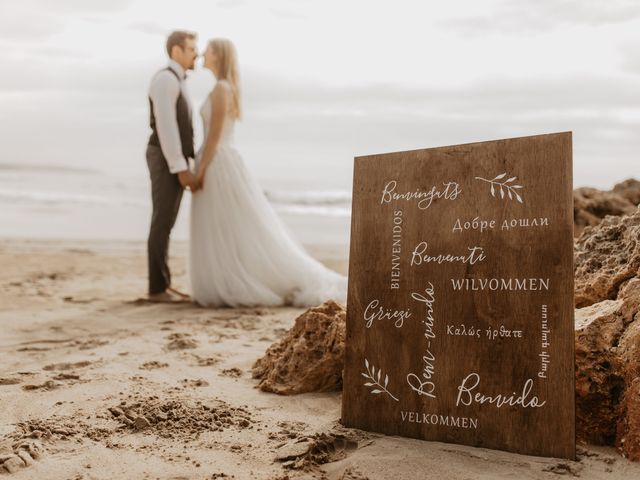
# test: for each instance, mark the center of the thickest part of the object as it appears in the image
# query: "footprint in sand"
(152, 365)
(89, 344)
(564, 469)
(48, 385)
(26, 441)
(352, 474)
(180, 341)
(67, 365)
(231, 372)
(51, 385)
(67, 376)
(41, 349)
(307, 453)
(206, 361)
(186, 382)
(33, 349)
(289, 430)
(22, 455)
(10, 380)
(79, 300)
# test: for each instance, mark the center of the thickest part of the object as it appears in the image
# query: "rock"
(628, 431)
(629, 189)
(13, 464)
(34, 447)
(124, 419)
(608, 371)
(293, 450)
(141, 423)
(591, 205)
(6, 452)
(26, 458)
(605, 257)
(117, 412)
(310, 356)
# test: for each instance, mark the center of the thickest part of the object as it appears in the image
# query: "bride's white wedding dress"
(241, 254)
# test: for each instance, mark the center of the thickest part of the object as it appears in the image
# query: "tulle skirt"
(241, 254)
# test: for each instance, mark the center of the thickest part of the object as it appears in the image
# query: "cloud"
(81, 6)
(631, 57)
(286, 14)
(327, 126)
(230, 3)
(311, 130)
(149, 27)
(19, 25)
(38, 20)
(531, 16)
(522, 96)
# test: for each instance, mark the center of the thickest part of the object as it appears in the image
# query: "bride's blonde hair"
(228, 58)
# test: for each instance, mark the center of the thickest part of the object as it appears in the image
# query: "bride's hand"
(200, 178)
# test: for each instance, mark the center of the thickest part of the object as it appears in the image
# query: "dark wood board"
(451, 312)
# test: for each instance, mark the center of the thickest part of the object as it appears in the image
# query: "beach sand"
(112, 386)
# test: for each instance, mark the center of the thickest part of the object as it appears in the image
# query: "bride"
(240, 252)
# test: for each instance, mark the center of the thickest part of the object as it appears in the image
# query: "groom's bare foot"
(185, 296)
(166, 297)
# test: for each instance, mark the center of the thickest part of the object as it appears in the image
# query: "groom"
(170, 146)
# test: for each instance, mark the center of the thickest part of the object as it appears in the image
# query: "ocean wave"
(115, 195)
(58, 198)
(25, 167)
(332, 204)
(321, 197)
(318, 210)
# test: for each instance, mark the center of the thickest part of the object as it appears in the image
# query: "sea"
(41, 201)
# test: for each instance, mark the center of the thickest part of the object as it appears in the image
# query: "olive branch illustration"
(511, 189)
(375, 381)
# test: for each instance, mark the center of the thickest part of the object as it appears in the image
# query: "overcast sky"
(327, 80)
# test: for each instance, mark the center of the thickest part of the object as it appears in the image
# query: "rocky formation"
(310, 356)
(607, 335)
(591, 205)
(629, 189)
(608, 371)
(605, 257)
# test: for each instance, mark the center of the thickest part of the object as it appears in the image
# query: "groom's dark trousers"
(166, 190)
(166, 194)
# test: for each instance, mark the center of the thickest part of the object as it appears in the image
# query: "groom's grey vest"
(185, 127)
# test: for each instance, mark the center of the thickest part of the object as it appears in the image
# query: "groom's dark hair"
(179, 38)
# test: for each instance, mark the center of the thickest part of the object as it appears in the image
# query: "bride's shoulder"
(221, 90)
(223, 85)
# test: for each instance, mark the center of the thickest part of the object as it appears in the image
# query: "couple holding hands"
(240, 254)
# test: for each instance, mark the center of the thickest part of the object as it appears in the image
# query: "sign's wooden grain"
(460, 307)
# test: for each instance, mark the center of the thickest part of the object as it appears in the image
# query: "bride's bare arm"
(219, 104)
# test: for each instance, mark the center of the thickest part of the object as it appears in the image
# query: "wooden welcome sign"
(460, 305)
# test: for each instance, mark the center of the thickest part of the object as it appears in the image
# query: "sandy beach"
(82, 353)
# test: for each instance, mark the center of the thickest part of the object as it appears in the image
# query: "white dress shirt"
(164, 91)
